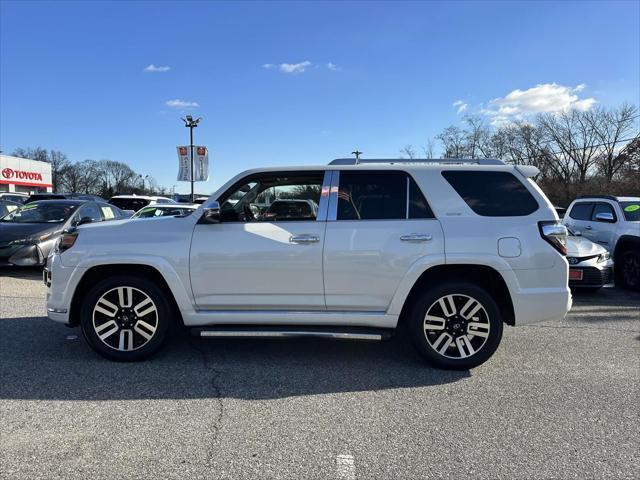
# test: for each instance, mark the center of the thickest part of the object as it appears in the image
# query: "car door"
(602, 231)
(254, 261)
(379, 224)
(578, 218)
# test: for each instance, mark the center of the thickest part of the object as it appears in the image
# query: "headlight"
(603, 257)
(32, 240)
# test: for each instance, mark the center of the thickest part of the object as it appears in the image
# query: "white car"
(614, 223)
(590, 264)
(452, 249)
(154, 210)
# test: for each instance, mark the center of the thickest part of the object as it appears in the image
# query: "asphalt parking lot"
(558, 400)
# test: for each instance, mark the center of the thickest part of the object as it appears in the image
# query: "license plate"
(575, 274)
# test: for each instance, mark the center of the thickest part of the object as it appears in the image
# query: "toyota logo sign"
(7, 173)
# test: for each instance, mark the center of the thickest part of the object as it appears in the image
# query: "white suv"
(614, 223)
(451, 250)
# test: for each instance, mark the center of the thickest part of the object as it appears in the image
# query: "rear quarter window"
(492, 194)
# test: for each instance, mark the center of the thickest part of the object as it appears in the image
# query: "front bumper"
(61, 282)
(22, 256)
(591, 274)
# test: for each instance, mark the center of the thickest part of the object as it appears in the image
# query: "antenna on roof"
(357, 153)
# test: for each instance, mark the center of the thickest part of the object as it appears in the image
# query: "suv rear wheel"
(125, 318)
(456, 326)
(627, 270)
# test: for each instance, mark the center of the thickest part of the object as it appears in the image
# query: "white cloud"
(160, 68)
(543, 98)
(332, 66)
(177, 103)
(289, 67)
(460, 105)
(295, 67)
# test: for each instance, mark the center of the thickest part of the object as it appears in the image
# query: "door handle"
(415, 237)
(304, 239)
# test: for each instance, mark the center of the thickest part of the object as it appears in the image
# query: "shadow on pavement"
(41, 360)
(26, 273)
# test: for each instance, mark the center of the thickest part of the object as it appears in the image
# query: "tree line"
(577, 152)
(104, 178)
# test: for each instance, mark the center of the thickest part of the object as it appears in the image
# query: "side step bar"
(291, 331)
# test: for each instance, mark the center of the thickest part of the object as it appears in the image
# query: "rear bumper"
(541, 304)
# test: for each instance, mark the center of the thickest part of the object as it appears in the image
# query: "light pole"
(190, 123)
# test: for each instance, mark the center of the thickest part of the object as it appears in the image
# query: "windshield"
(631, 211)
(41, 213)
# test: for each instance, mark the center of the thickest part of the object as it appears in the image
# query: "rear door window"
(581, 211)
(492, 194)
(372, 196)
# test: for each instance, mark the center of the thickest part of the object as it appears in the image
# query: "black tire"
(426, 338)
(627, 270)
(135, 330)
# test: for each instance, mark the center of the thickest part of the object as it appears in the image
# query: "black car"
(28, 234)
(7, 206)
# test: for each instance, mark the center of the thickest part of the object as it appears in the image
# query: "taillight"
(555, 234)
(66, 241)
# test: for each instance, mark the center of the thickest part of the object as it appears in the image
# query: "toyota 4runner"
(451, 250)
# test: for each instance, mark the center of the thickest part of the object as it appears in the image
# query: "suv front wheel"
(456, 325)
(125, 318)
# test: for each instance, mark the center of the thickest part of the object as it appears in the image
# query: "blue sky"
(289, 83)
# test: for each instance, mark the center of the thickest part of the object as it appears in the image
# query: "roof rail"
(447, 161)
(608, 197)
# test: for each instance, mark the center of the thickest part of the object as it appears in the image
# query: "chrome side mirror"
(605, 217)
(211, 213)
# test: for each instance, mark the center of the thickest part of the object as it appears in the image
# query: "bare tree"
(477, 137)
(409, 151)
(610, 127)
(428, 148)
(454, 142)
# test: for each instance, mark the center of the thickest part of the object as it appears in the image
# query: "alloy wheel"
(125, 318)
(456, 326)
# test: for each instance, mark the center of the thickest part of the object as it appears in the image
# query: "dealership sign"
(9, 173)
(22, 171)
(200, 164)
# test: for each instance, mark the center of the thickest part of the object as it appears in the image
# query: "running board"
(287, 331)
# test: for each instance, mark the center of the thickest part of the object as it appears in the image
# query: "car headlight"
(32, 240)
(603, 257)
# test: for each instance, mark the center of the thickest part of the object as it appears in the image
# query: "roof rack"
(608, 197)
(447, 161)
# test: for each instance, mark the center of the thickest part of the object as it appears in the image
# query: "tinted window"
(492, 194)
(602, 208)
(134, 204)
(581, 211)
(372, 196)
(418, 206)
(90, 210)
(631, 211)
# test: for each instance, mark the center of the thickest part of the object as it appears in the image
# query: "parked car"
(286, 209)
(614, 223)
(590, 264)
(28, 234)
(136, 202)
(155, 210)
(14, 196)
(7, 206)
(452, 249)
(63, 196)
(200, 200)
